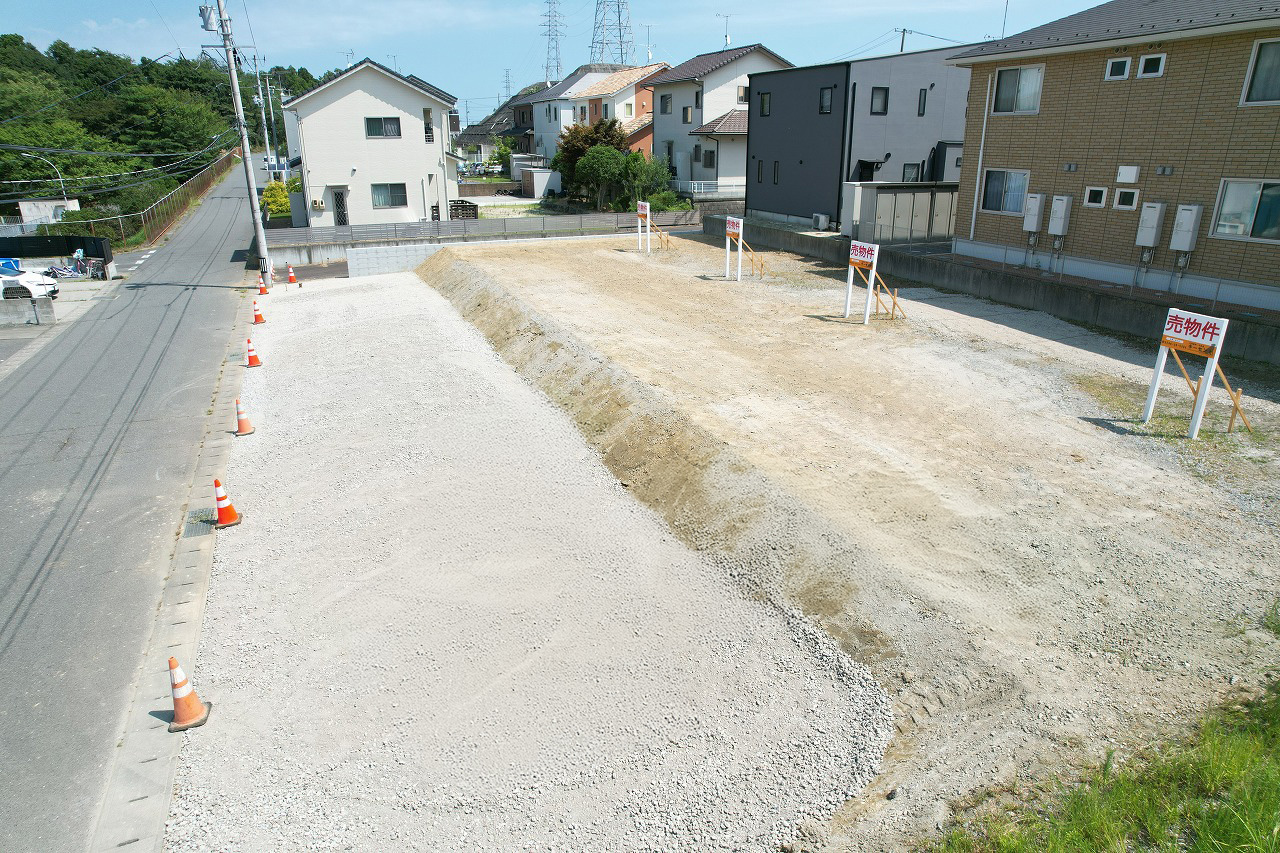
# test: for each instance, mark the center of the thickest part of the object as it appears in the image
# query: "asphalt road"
(100, 432)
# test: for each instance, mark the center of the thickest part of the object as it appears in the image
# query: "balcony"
(730, 189)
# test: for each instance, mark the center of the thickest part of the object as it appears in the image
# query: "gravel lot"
(445, 626)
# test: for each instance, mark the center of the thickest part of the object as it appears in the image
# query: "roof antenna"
(1005, 25)
(726, 27)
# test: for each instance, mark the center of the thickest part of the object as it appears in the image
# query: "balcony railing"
(709, 187)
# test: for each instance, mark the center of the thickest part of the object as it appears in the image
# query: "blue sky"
(465, 46)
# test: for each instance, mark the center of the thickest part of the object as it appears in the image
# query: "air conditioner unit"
(317, 204)
(821, 222)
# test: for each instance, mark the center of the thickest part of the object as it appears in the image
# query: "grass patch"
(1271, 618)
(1217, 791)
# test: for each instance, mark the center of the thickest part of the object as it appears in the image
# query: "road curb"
(135, 805)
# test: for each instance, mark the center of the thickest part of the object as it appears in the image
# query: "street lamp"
(58, 172)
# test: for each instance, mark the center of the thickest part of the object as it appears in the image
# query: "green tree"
(578, 139)
(164, 120)
(643, 178)
(600, 170)
(275, 199)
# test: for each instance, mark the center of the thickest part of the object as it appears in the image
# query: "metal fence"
(703, 187)
(19, 228)
(524, 226)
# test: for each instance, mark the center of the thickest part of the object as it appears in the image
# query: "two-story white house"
(554, 108)
(375, 148)
(622, 95)
(700, 108)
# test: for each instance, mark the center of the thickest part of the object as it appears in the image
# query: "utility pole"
(262, 108)
(902, 45)
(648, 43)
(223, 25)
(1005, 24)
(726, 27)
(271, 106)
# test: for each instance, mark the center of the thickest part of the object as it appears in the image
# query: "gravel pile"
(444, 625)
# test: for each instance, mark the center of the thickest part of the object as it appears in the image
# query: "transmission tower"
(553, 28)
(506, 85)
(612, 41)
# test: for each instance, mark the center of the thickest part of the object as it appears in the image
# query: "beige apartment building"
(1136, 142)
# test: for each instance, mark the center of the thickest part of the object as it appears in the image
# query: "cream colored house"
(375, 148)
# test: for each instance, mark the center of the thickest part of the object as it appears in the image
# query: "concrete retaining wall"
(491, 188)
(375, 260)
(27, 312)
(1254, 338)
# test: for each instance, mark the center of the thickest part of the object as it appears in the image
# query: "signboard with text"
(642, 209)
(1193, 333)
(863, 255)
(733, 227)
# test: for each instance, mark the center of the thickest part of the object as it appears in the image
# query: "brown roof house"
(1134, 142)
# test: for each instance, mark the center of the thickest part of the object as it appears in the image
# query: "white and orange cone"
(254, 361)
(227, 515)
(272, 272)
(293, 279)
(188, 711)
(262, 286)
(243, 427)
(258, 319)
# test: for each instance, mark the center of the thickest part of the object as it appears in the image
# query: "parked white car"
(26, 285)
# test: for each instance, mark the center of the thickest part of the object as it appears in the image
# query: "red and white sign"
(733, 227)
(642, 209)
(863, 254)
(1193, 333)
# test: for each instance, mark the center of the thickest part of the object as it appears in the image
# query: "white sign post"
(1197, 334)
(732, 231)
(643, 226)
(861, 256)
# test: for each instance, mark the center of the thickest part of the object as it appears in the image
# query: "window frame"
(393, 205)
(1128, 66)
(1115, 198)
(1002, 212)
(664, 105)
(697, 99)
(766, 103)
(885, 110)
(697, 154)
(708, 158)
(1217, 209)
(829, 92)
(905, 167)
(399, 127)
(1106, 191)
(744, 95)
(775, 173)
(686, 115)
(759, 171)
(428, 126)
(995, 94)
(1248, 77)
(920, 106)
(628, 110)
(1142, 60)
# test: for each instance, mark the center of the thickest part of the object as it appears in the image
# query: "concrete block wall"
(374, 260)
(27, 312)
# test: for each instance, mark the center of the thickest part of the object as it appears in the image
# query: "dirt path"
(1034, 577)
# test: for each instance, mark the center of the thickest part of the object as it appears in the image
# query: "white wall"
(43, 209)
(338, 156)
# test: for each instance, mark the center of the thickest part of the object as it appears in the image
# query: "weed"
(1271, 618)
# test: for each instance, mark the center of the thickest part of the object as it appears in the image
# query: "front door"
(340, 207)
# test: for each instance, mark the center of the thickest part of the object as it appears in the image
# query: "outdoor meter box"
(1150, 219)
(1032, 208)
(1059, 215)
(1186, 225)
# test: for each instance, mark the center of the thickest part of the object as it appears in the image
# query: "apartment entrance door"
(340, 207)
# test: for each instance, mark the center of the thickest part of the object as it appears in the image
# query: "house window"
(686, 115)
(428, 130)
(879, 100)
(743, 95)
(759, 171)
(764, 103)
(582, 114)
(775, 171)
(1117, 69)
(387, 127)
(824, 99)
(1095, 196)
(697, 153)
(709, 159)
(1004, 190)
(1018, 89)
(604, 110)
(1151, 65)
(671, 156)
(1248, 209)
(390, 195)
(1262, 85)
(664, 105)
(628, 109)
(697, 99)
(1126, 200)
(910, 171)
(924, 93)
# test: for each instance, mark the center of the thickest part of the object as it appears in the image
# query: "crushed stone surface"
(444, 626)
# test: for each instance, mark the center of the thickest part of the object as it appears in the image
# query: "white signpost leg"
(648, 236)
(848, 293)
(739, 259)
(871, 287)
(727, 241)
(639, 231)
(1150, 408)
(1206, 382)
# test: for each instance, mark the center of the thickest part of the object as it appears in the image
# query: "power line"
(871, 45)
(5, 147)
(133, 70)
(83, 178)
(100, 191)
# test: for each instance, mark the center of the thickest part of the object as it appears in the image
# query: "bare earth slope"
(1032, 578)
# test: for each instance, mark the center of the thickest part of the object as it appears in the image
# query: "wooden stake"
(1235, 396)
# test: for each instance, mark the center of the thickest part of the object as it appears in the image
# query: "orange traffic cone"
(243, 427)
(272, 272)
(188, 710)
(254, 361)
(258, 319)
(262, 286)
(227, 515)
(293, 279)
